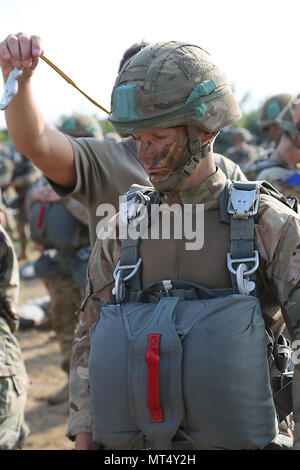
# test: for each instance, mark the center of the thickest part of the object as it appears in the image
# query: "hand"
(84, 441)
(20, 50)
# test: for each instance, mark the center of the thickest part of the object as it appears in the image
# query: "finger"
(13, 45)
(4, 52)
(36, 46)
(25, 49)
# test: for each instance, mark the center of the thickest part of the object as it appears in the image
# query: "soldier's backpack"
(53, 226)
(175, 365)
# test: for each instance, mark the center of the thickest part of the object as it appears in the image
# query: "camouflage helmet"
(241, 133)
(171, 84)
(287, 120)
(81, 125)
(272, 108)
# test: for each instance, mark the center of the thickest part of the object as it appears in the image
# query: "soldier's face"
(162, 151)
(274, 133)
(289, 148)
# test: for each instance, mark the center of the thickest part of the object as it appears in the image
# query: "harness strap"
(128, 271)
(242, 206)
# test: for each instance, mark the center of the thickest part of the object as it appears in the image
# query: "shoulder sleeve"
(105, 170)
(94, 164)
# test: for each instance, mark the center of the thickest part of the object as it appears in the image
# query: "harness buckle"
(167, 285)
(242, 272)
(243, 203)
(119, 288)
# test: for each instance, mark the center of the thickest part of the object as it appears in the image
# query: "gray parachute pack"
(171, 371)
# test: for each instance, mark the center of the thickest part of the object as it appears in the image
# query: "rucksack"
(53, 226)
(175, 365)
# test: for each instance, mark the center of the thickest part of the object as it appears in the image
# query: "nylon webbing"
(68, 79)
(242, 238)
(129, 256)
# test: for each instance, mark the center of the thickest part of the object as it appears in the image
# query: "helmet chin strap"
(196, 151)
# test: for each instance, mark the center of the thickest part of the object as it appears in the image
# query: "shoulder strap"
(239, 204)
(128, 270)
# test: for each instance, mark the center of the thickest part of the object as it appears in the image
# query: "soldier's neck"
(204, 170)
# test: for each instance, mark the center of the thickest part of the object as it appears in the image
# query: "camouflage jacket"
(11, 361)
(283, 177)
(277, 239)
(243, 157)
(9, 281)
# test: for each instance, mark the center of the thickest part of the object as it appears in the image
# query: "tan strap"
(62, 74)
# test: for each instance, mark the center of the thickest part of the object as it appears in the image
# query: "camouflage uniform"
(65, 300)
(13, 377)
(24, 176)
(281, 176)
(6, 165)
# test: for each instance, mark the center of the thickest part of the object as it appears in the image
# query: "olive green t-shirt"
(106, 169)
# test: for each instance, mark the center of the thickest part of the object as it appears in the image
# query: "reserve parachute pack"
(53, 226)
(175, 365)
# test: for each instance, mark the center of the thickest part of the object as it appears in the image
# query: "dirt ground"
(42, 358)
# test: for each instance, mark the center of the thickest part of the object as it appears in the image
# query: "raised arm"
(48, 149)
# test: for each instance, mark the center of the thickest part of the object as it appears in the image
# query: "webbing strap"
(63, 75)
(130, 261)
(242, 237)
(129, 256)
(152, 359)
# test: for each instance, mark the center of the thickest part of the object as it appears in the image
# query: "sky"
(256, 43)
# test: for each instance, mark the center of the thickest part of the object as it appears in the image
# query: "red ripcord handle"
(152, 359)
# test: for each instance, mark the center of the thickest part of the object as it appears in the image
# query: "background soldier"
(242, 152)
(54, 224)
(269, 159)
(284, 175)
(13, 377)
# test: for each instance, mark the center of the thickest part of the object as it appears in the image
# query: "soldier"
(25, 175)
(13, 377)
(6, 165)
(241, 151)
(6, 173)
(174, 143)
(84, 162)
(271, 108)
(95, 171)
(269, 159)
(284, 174)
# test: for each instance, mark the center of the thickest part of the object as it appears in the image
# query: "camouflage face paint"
(162, 153)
